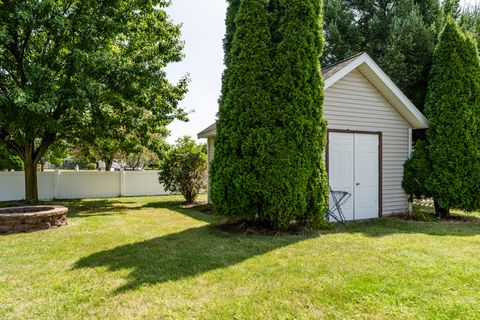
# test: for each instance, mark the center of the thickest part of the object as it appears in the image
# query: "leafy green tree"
(55, 154)
(8, 160)
(65, 64)
(139, 159)
(235, 180)
(184, 169)
(453, 111)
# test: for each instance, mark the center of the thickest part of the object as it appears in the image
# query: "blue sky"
(203, 31)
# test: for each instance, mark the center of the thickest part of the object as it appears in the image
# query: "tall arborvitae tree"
(297, 187)
(240, 135)
(232, 10)
(453, 111)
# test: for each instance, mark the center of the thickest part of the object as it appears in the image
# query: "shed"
(370, 124)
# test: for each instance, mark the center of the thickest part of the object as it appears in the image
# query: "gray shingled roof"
(331, 70)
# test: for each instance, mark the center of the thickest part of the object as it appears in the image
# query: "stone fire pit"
(32, 218)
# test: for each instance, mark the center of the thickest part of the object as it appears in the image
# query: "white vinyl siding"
(210, 154)
(353, 103)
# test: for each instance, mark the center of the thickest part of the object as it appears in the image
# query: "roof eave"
(416, 119)
(207, 134)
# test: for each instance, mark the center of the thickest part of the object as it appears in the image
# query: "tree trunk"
(441, 212)
(108, 164)
(31, 186)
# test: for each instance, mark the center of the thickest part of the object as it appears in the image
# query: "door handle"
(358, 183)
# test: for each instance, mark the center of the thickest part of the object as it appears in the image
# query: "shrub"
(91, 166)
(184, 169)
(416, 172)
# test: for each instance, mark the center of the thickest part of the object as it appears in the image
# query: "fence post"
(122, 182)
(56, 184)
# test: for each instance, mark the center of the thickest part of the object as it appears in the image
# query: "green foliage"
(408, 56)
(453, 110)
(470, 21)
(416, 172)
(9, 161)
(268, 165)
(343, 37)
(297, 187)
(399, 35)
(243, 109)
(451, 8)
(91, 166)
(70, 69)
(184, 169)
(57, 152)
(232, 10)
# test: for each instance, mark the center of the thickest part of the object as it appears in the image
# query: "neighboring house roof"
(208, 132)
(365, 64)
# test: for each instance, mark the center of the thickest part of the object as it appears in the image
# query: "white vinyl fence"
(82, 184)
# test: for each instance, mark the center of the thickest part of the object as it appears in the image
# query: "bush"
(91, 166)
(184, 169)
(416, 172)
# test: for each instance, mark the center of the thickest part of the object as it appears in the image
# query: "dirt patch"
(251, 228)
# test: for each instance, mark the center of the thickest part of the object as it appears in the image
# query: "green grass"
(150, 258)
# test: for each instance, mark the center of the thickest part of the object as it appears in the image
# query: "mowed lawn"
(150, 258)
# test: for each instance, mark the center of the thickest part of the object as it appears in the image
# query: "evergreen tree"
(343, 37)
(399, 35)
(470, 21)
(235, 181)
(453, 110)
(232, 10)
(451, 8)
(268, 164)
(417, 172)
(408, 56)
(297, 187)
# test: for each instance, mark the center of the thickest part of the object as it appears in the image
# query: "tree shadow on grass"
(180, 255)
(78, 208)
(179, 206)
(199, 250)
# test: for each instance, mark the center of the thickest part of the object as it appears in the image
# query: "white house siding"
(210, 152)
(353, 103)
